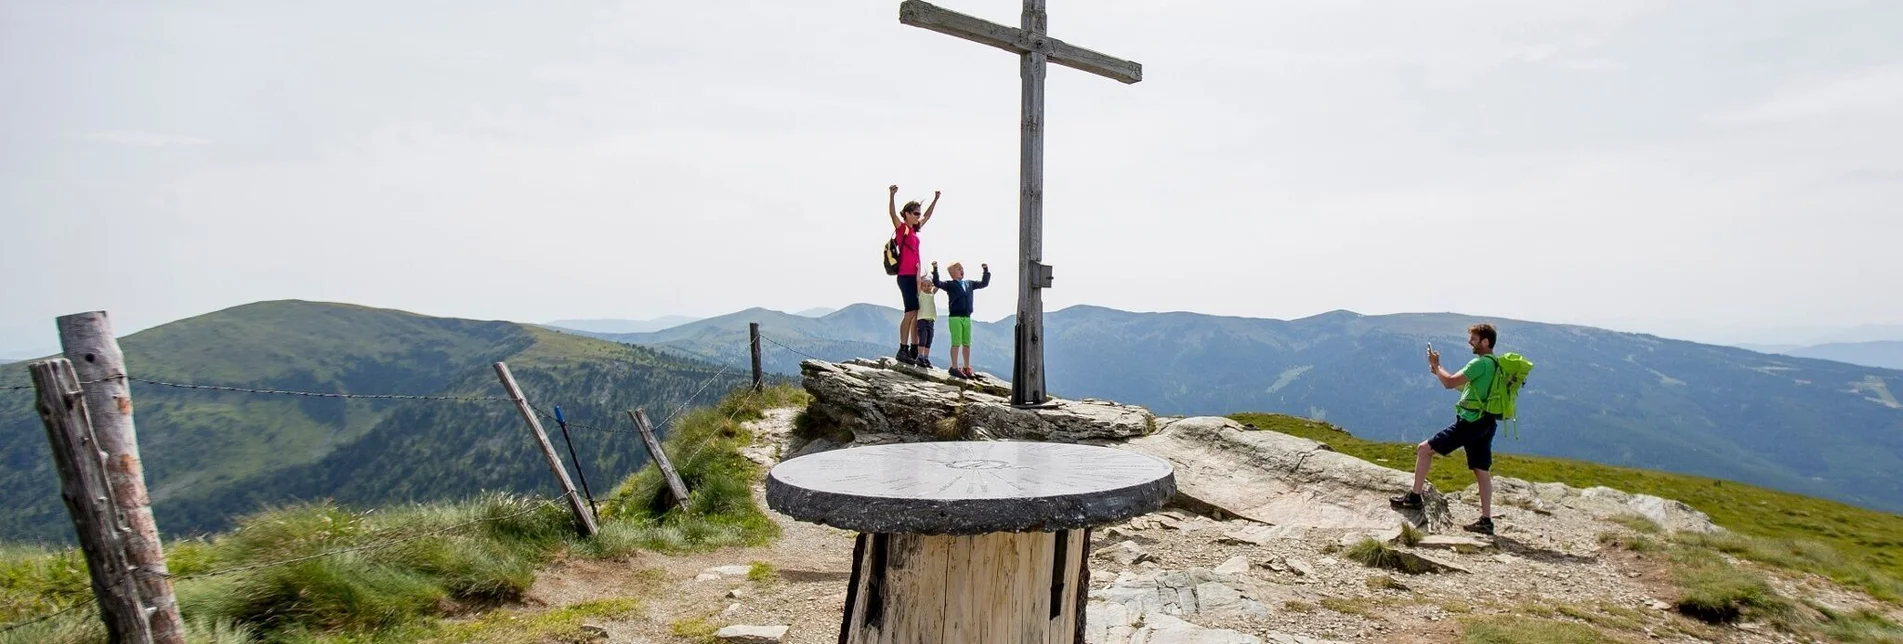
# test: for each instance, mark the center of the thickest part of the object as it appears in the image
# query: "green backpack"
(1509, 374)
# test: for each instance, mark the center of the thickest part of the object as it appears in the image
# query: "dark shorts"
(908, 289)
(1474, 436)
(924, 334)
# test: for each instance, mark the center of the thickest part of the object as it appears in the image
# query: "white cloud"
(141, 138)
(1876, 91)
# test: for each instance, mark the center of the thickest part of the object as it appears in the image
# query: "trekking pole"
(578, 469)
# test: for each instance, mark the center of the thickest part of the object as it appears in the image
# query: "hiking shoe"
(1483, 526)
(1410, 501)
(956, 373)
(969, 375)
(924, 362)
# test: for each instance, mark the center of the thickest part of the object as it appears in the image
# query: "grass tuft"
(1639, 524)
(1375, 554)
(1514, 629)
(1410, 535)
(1349, 606)
(1861, 625)
(1723, 594)
(1385, 582)
(705, 449)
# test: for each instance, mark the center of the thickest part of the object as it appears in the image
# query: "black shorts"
(1474, 436)
(908, 289)
(924, 333)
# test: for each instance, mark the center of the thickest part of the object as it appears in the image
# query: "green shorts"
(960, 331)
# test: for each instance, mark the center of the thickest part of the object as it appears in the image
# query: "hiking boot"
(1411, 501)
(925, 362)
(1483, 526)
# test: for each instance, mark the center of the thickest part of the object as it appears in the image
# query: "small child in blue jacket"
(958, 291)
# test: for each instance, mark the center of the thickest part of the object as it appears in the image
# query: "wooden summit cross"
(1033, 47)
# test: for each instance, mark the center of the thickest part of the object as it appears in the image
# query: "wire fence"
(680, 406)
(35, 620)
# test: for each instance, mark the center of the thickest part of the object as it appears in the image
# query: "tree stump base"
(968, 541)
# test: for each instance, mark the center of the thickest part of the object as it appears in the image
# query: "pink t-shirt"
(908, 249)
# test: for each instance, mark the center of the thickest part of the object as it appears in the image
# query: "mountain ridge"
(211, 455)
(1616, 397)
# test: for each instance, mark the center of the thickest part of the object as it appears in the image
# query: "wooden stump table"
(979, 542)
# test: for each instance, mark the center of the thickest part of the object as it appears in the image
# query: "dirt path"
(807, 592)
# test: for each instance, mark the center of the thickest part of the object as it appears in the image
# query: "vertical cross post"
(1034, 48)
(1027, 364)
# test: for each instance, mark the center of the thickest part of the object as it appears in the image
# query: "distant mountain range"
(1887, 354)
(212, 455)
(621, 326)
(1800, 424)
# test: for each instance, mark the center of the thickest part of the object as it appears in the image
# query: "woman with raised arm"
(906, 222)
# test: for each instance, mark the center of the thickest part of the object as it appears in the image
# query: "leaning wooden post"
(87, 341)
(753, 339)
(88, 496)
(584, 522)
(674, 484)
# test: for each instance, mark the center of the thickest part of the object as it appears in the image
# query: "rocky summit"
(1270, 538)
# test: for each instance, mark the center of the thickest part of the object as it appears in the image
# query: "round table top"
(969, 487)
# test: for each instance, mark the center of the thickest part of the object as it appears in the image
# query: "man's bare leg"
(1423, 459)
(1484, 480)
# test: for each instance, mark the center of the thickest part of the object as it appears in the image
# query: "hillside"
(210, 456)
(1802, 425)
(614, 325)
(1886, 354)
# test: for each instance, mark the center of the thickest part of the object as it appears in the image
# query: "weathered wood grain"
(89, 498)
(584, 520)
(87, 341)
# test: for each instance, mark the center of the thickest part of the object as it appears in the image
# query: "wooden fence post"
(674, 484)
(584, 522)
(753, 339)
(88, 343)
(88, 496)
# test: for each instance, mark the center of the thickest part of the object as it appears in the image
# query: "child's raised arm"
(940, 284)
(983, 282)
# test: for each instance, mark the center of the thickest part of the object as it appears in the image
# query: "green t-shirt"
(1479, 373)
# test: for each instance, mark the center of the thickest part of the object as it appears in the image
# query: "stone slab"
(969, 487)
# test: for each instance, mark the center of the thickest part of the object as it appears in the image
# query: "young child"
(958, 293)
(927, 316)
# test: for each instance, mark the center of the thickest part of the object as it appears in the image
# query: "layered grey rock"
(1282, 480)
(882, 401)
(1153, 608)
(743, 634)
(1598, 502)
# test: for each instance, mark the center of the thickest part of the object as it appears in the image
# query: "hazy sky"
(1657, 166)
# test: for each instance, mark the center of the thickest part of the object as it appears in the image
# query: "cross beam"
(1033, 47)
(924, 15)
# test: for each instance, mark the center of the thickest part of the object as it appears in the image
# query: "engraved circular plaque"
(969, 487)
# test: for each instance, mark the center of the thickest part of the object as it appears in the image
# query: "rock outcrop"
(1152, 607)
(1282, 480)
(1598, 502)
(882, 401)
